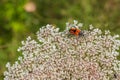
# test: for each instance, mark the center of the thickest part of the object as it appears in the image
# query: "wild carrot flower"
(30, 7)
(58, 56)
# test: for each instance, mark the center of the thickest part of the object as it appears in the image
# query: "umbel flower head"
(60, 56)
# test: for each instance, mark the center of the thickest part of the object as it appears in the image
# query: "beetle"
(75, 31)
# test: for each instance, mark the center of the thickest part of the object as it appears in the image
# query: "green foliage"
(16, 23)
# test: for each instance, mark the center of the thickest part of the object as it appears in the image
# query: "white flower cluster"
(57, 56)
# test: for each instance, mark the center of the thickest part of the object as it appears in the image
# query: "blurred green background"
(22, 18)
